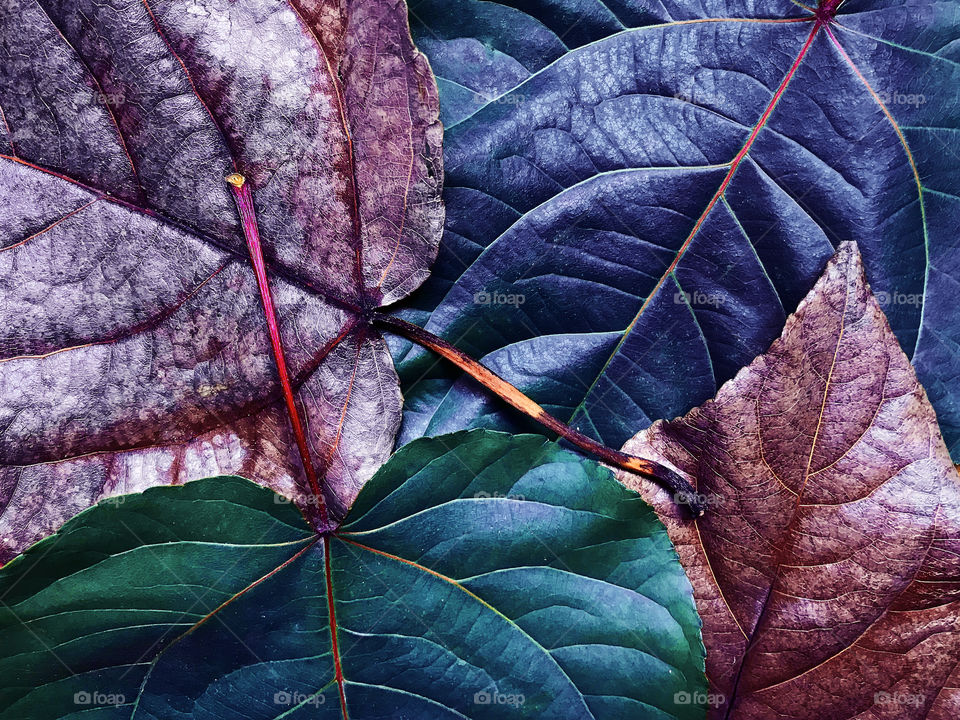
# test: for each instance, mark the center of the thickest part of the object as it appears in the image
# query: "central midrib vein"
(734, 164)
(752, 638)
(332, 620)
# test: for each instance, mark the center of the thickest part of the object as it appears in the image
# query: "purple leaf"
(133, 347)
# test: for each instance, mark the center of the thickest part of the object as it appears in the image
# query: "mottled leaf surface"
(133, 346)
(478, 575)
(661, 183)
(827, 569)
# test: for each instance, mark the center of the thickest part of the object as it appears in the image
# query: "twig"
(683, 492)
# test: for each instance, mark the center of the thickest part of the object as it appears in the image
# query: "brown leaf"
(827, 567)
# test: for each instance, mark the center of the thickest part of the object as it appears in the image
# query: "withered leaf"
(827, 569)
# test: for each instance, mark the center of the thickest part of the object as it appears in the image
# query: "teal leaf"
(478, 575)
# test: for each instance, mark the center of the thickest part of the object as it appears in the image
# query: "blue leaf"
(677, 175)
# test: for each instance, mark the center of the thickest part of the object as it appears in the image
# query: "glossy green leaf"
(477, 576)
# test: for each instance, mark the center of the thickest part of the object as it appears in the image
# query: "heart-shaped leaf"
(133, 347)
(639, 193)
(478, 575)
(827, 570)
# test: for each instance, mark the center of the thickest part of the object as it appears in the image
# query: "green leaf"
(478, 575)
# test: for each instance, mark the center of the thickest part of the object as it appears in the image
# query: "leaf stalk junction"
(683, 492)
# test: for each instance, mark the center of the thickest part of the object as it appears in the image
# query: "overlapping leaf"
(827, 570)
(133, 348)
(639, 193)
(480, 51)
(478, 575)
